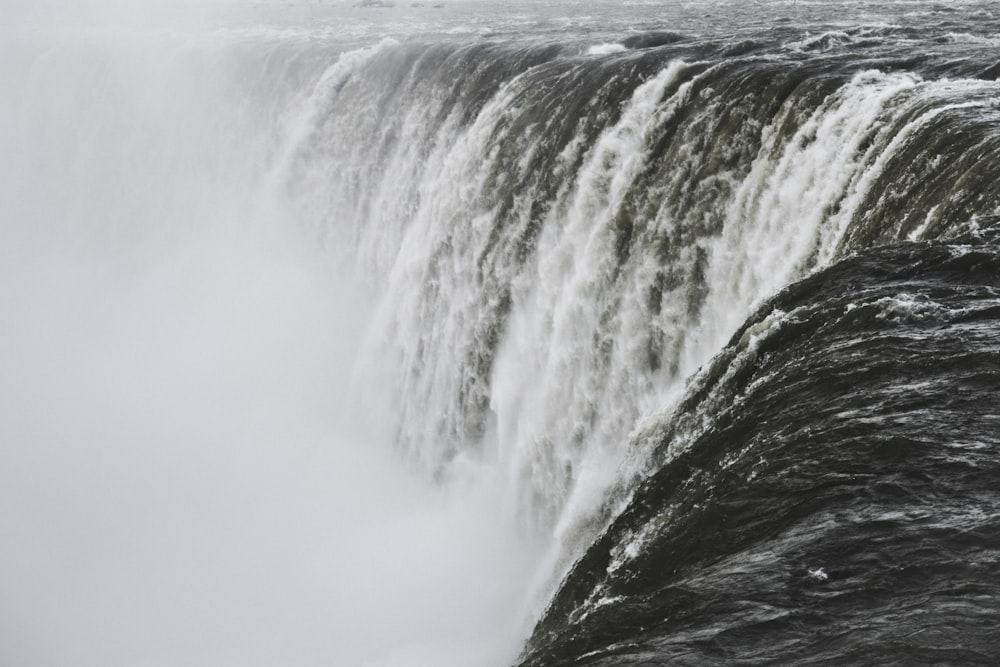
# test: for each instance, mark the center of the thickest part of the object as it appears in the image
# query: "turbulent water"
(839, 507)
(381, 335)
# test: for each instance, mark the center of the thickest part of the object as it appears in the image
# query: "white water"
(570, 385)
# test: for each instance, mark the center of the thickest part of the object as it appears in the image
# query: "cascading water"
(357, 304)
(556, 266)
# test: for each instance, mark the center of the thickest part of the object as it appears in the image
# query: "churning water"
(375, 335)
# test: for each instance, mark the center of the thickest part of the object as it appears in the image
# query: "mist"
(184, 477)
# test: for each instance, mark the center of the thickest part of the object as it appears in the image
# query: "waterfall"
(383, 328)
(561, 240)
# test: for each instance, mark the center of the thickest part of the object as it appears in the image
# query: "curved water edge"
(561, 240)
(828, 486)
(616, 220)
(556, 232)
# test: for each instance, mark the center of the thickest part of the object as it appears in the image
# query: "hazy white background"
(182, 478)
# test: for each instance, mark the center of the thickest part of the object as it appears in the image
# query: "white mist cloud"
(177, 485)
(109, 13)
(181, 482)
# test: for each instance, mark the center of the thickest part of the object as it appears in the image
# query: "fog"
(184, 479)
